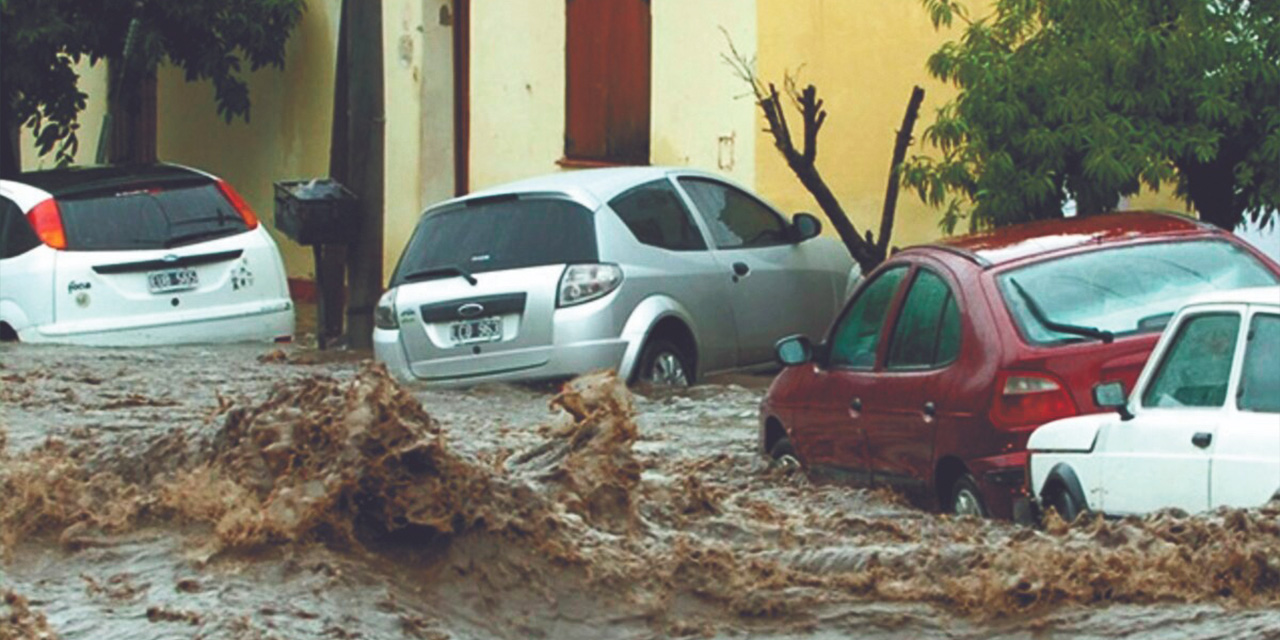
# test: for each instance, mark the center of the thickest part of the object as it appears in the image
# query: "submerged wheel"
(784, 454)
(1065, 504)
(664, 364)
(966, 498)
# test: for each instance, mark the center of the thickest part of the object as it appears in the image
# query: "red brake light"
(46, 219)
(241, 206)
(1028, 400)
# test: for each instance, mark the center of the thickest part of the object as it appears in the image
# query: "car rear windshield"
(148, 218)
(1123, 290)
(497, 234)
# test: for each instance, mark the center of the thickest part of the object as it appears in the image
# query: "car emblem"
(471, 310)
(170, 258)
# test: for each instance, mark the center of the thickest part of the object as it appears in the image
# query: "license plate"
(478, 330)
(172, 280)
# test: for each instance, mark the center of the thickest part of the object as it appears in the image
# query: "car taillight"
(384, 315)
(242, 207)
(583, 282)
(46, 219)
(1028, 400)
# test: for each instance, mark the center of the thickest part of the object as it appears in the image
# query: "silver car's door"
(1245, 470)
(779, 287)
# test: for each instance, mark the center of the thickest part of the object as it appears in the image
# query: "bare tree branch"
(899, 154)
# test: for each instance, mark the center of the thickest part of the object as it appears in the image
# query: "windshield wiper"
(200, 235)
(453, 270)
(1036, 312)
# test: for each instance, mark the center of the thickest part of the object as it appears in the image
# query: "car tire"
(663, 364)
(1065, 504)
(966, 498)
(784, 454)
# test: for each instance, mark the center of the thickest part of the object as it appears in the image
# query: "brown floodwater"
(245, 492)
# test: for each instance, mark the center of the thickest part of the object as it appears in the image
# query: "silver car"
(662, 274)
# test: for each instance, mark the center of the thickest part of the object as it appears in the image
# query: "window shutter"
(607, 80)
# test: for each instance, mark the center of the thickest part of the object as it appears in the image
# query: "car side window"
(854, 341)
(736, 220)
(656, 216)
(16, 236)
(927, 333)
(1260, 376)
(1197, 365)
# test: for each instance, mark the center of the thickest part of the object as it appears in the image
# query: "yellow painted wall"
(286, 137)
(93, 81)
(864, 58)
(403, 32)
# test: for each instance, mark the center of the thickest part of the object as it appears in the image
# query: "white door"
(1161, 457)
(1246, 459)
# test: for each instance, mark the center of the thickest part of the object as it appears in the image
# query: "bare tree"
(867, 250)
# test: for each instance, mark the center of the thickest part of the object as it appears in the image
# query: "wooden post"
(331, 260)
(366, 126)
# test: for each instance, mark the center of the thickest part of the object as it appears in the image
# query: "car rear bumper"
(249, 322)
(1002, 480)
(533, 363)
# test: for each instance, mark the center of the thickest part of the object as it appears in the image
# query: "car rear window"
(1124, 290)
(154, 218)
(500, 233)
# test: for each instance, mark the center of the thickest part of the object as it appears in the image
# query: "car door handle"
(856, 404)
(930, 409)
(1202, 439)
(741, 269)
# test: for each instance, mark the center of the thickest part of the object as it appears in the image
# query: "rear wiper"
(1036, 312)
(427, 274)
(199, 235)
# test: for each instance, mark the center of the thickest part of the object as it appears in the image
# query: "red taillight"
(241, 206)
(46, 219)
(1028, 400)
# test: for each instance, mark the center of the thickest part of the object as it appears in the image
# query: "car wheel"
(663, 364)
(784, 454)
(966, 499)
(1065, 504)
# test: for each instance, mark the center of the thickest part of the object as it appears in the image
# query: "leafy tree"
(1091, 99)
(42, 40)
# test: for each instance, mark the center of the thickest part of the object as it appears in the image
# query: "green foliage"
(1092, 99)
(208, 39)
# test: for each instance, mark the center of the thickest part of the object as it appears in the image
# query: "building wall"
(288, 132)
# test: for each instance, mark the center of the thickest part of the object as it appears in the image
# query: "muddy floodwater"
(248, 492)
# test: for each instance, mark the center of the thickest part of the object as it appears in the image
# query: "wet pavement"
(248, 492)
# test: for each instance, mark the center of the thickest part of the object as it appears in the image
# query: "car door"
(1245, 468)
(1161, 457)
(778, 289)
(903, 415)
(831, 431)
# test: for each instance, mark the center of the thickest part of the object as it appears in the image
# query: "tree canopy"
(1092, 99)
(43, 40)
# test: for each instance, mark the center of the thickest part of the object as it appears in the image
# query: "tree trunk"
(1211, 187)
(899, 154)
(365, 148)
(132, 139)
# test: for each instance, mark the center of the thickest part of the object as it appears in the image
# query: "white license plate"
(172, 280)
(478, 330)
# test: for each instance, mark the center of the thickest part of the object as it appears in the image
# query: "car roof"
(1250, 295)
(590, 187)
(70, 181)
(1008, 244)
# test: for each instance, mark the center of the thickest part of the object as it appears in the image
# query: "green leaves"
(1092, 99)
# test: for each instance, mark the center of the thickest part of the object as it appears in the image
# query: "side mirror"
(793, 350)
(805, 226)
(1110, 395)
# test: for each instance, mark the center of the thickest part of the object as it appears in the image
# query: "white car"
(1200, 430)
(661, 274)
(142, 255)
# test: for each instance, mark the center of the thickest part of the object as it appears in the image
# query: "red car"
(948, 355)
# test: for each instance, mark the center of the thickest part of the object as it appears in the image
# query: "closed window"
(607, 81)
(736, 220)
(1260, 378)
(1197, 365)
(928, 330)
(853, 343)
(656, 216)
(16, 235)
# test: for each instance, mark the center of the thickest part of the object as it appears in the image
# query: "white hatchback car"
(1200, 430)
(661, 274)
(141, 255)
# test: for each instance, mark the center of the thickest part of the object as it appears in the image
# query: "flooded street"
(247, 492)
